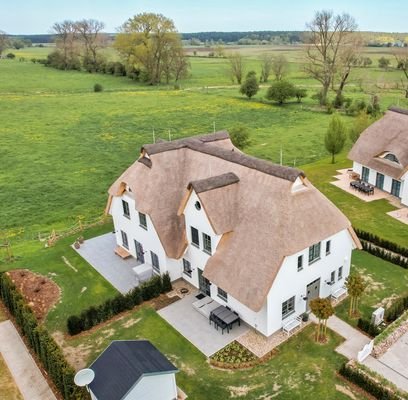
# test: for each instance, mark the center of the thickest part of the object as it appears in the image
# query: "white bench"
(289, 326)
(339, 293)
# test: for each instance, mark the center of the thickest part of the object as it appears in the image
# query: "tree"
(361, 123)
(300, 94)
(322, 309)
(279, 67)
(175, 65)
(401, 56)
(329, 33)
(236, 66)
(67, 43)
(90, 34)
(335, 137)
(4, 41)
(356, 286)
(280, 91)
(148, 41)
(250, 87)
(384, 63)
(266, 66)
(240, 136)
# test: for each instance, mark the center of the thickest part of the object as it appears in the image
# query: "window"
(328, 244)
(187, 267)
(365, 173)
(207, 243)
(222, 294)
(379, 181)
(392, 157)
(125, 206)
(314, 253)
(198, 205)
(288, 307)
(396, 188)
(155, 261)
(333, 277)
(142, 220)
(195, 240)
(300, 263)
(340, 274)
(125, 242)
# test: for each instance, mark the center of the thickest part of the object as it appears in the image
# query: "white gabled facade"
(290, 283)
(387, 183)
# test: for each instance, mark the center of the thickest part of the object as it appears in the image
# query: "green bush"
(41, 342)
(368, 327)
(98, 87)
(166, 283)
(397, 308)
(371, 385)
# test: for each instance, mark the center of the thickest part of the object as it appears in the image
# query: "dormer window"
(391, 157)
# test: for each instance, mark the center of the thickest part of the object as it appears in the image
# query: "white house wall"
(404, 189)
(154, 387)
(289, 282)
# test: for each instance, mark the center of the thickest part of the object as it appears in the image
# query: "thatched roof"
(389, 134)
(248, 201)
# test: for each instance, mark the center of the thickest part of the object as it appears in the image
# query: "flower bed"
(236, 356)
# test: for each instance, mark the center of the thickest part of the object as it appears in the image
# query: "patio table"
(224, 318)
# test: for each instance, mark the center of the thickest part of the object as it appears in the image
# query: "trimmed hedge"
(111, 307)
(368, 327)
(385, 244)
(385, 254)
(396, 309)
(41, 342)
(375, 387)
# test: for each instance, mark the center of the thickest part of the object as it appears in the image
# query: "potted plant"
(77, 245)
(305, 317)
(81, 239)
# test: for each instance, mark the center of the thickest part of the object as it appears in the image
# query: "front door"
(379, 181)
(365, 173)
(312, 291)
(204, 283)
(139, 252)
(396, 188)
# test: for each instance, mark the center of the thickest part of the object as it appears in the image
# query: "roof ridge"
(213, 182)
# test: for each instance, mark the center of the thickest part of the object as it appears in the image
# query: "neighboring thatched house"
(255, 236)
(380, 155)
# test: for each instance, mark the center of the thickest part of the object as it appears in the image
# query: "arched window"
(391, 157)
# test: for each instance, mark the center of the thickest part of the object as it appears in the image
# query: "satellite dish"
(84, 377)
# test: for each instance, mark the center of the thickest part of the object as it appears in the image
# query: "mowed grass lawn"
(300, 370)
(385, 282)
(9, 389)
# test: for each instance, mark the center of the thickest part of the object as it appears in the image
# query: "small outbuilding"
(133, 369)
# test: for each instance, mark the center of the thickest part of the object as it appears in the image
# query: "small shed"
(133, 369)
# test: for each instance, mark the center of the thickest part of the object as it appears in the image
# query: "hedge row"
(385, 244)
(111, 307)
(379, 389)
(396, 309)
(368, 327)
(384, 254)
(41, 342)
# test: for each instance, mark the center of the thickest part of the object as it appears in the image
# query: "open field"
(313, 376)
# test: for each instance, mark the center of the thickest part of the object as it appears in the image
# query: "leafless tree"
(4, 42)
(92, 38)
(401, 56)
(266, 66)
(329, 33)
(237, 68)
(280, 66)
(67, 36)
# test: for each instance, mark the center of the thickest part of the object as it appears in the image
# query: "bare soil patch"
(40, 292)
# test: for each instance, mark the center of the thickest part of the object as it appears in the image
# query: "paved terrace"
(100, 253)
(196, 328)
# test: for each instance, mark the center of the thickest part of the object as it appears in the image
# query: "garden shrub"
(368, 327)
(41, 342)
(397, 308)
(98, 87)
(94, 315)
(380, 389)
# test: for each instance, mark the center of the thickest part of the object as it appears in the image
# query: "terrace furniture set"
(224, 318)
(362, 187)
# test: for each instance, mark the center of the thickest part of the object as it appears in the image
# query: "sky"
(29, 16)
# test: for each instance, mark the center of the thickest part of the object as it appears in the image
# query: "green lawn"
(385, 282)
(301, 369)
(9, 389)
(79, 289)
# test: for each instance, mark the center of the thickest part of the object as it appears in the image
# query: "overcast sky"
(29, 16)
